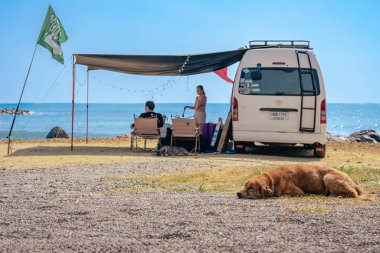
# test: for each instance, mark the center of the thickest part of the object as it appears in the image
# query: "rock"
(332, 137)
(375, 136)
(57, 132)
(370, 136)
(123, 136)
(11, 111)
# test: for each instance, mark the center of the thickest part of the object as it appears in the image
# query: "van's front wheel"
(320, 151)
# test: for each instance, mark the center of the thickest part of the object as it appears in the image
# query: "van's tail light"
(235, 110)
(323, 112)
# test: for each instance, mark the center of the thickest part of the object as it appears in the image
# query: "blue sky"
(344, 34)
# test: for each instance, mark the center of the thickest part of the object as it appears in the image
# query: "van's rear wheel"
(320, 151)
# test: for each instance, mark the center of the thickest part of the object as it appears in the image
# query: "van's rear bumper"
(278, 137)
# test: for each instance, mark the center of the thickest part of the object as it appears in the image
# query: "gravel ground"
(65, 209)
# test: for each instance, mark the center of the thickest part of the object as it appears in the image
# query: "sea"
(111, 120)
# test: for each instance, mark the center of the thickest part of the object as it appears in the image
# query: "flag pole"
(19, 101)
(73, 107)
(88, 84)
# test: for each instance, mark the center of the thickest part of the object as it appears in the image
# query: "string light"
(147, 92)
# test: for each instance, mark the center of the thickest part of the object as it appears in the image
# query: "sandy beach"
(103, 197)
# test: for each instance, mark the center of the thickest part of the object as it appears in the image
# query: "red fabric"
(222, 73)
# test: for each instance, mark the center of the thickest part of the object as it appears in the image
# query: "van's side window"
(277, 82)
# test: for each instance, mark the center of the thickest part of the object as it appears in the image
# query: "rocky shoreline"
(12, 111)
(369, 136)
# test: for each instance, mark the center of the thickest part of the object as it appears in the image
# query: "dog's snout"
(239, 195)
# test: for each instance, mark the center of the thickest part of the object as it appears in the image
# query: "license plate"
(278, 116)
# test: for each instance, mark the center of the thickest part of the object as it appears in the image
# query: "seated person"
(149, 113)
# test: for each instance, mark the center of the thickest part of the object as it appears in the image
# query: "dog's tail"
(364, 195)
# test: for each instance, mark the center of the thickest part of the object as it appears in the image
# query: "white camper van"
(278, 97)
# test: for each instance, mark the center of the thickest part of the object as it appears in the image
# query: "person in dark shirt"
(149, 113)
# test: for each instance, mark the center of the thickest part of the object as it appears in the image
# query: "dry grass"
(57, 153)
(227, 180)
(215, 180)
(366, 176)
(360, 160)
(354, 153)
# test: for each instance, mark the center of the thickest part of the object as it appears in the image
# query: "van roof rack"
(304, 44)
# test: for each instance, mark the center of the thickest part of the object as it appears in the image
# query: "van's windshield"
(277, 82)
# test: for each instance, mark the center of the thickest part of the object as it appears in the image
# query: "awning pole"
(88, 84)
(72, 107)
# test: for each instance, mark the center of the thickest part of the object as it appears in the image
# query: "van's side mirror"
(257, 75)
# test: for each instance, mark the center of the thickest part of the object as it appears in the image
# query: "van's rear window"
(277, 81)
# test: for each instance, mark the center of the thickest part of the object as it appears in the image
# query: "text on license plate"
(278, 116)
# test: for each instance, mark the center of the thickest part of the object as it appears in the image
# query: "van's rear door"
(272, 103)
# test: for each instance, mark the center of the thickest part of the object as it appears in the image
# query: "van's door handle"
(278, 110)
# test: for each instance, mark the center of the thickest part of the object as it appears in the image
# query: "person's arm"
(160, 120)
(192, 107)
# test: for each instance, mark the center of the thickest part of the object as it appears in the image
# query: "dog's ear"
(265, 190)
(248, 184)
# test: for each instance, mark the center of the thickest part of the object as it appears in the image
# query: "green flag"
(52, 35)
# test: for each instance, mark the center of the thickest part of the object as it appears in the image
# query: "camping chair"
(185, 129)
(145, 128)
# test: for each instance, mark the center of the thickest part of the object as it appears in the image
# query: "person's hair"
(202, 89)
(150, 105)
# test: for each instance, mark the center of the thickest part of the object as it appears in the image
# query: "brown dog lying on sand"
(296, 180)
